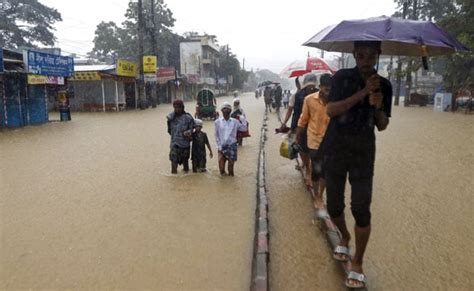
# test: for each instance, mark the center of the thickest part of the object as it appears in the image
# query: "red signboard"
(165, 72)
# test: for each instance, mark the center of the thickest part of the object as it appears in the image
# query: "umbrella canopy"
(267, 83)
(398, 36)
(312, 64)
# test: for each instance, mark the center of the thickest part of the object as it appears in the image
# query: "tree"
(432, 10)
(26, 23)
(459, 68)
(107, 41)
(122, 41)
(457, 18)
(229, 65)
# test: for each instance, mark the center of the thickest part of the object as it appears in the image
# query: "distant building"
(199, 56)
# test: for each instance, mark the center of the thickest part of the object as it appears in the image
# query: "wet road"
(90, 204)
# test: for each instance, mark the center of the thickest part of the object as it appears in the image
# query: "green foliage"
(459, 69)
(457, 18)
(229, 65)
(26, 23)
(112, 41)
(432, 10)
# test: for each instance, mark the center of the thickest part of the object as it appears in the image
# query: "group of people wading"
(333, 129)
(187, 138)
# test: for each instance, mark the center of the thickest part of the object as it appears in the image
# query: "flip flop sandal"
(321, 213)
(341, 250)
(360, 278)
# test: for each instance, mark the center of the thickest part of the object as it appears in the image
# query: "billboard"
(45, 64)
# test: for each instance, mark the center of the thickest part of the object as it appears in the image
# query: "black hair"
(325, 80)
(368, 43)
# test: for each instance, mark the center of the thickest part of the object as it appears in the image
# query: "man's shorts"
(304, 142)
(179, 155)
(317, 168)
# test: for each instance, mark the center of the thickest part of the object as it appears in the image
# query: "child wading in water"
(200, 142)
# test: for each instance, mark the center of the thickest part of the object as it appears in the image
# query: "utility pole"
(410, 62)
(227, 69)
(152, 33)
(399, 64)
(140, 55)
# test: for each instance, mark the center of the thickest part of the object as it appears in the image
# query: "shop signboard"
(45, 64)
(149, 64)
(165, 74)
(43, 80)
(150, 78)
(86, 76)
(126, 69)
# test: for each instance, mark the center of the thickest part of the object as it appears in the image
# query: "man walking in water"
(226, 129)
(316, 120)
(359, 101)
(180, 128)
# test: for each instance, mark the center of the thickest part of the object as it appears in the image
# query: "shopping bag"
(287, 149)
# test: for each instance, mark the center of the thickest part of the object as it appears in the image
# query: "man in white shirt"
(226, 129)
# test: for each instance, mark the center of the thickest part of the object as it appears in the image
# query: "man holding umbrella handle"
(359, 101)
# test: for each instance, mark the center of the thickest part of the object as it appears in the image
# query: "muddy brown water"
(90, 204)
(423, 225)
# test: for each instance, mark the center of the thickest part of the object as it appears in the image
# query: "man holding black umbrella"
(359, 101)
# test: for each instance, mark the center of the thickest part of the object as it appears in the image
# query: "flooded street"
(422, 210)
(91, 204)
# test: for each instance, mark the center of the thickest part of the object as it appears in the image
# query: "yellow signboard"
(126, 68)
(149, 64)
(85, 76)
(41, 80)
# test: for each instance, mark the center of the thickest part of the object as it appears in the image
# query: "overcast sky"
(267, 33)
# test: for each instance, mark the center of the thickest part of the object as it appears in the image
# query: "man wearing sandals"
(359, 101)
(315, 118)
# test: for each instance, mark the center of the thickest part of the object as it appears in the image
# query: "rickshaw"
(206, 105)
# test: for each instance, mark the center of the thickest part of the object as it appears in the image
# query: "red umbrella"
(313, 64)
(318, 64)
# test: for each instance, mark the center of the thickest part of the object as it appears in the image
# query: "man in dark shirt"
(359, 101)
(180, 128)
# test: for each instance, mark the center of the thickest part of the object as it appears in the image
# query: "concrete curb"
(261, 253)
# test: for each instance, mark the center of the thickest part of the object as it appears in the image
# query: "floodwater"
(423, 226)
(91, 204)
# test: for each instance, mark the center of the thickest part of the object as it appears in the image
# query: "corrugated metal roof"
(93, 68)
